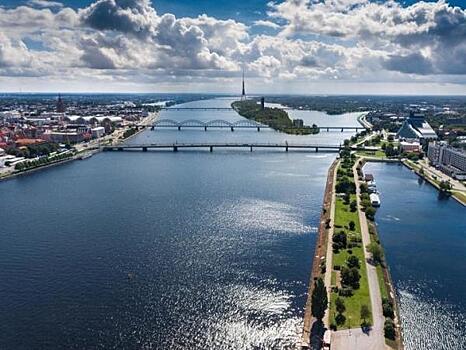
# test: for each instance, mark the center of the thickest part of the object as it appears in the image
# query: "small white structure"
(98, 132)
(375, 199)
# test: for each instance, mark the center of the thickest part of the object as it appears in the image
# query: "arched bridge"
(239, 124)
(218, 123)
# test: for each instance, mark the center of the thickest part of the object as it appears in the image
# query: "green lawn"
(382, 286)
(375, 154)
(343, 216)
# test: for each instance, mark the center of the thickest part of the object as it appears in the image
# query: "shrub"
(340, 319)
(370, 213)
(353, 206)
(339, 240)
(352, 225)
(333, 326)
(389, 329)
(345, 292)
(340, 305)
(336, 267)
(353, 261)
(388, 311)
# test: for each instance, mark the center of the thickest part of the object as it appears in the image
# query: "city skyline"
(299, 47)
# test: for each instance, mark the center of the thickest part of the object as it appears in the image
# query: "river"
(424, 238)
(164, 250)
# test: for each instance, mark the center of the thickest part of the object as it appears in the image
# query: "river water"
(163, 250)
(424, 238)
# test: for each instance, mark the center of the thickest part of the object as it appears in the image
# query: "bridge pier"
(317, 149)
(144, 149)
(120, 148)
(175, 148)
(286, 148)
(250, 149)
(341, 129)
(258, 129)
(327, 130)
(152, 128)
(232, 129)
(179, 128)
(205, 128)
(211, 148)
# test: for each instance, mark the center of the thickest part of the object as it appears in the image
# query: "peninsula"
(276, 118)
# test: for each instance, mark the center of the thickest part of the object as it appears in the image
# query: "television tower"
(243, 93)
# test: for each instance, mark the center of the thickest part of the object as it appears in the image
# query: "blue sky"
(295, 46)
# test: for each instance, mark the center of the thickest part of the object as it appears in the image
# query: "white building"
(98, 132)
(452, 161)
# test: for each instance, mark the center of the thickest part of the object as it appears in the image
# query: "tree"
(347, 198)
(344, 185)
(445, 186)
(340, 305)
(352, 225)
(350, 277)
(370, 212)
(389, 329)
(353, 261)
(353, 205)
(376, 252)
(365, 312)
(339, 240)
(319, 299)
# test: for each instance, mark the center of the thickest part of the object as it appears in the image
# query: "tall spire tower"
(243, 93)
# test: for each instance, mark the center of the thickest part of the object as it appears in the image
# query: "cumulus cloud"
(424, 32)
(128, 41)
(136, 17)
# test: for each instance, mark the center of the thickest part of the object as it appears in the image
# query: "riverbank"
(419, 170)
(93, 147)
(320, 261)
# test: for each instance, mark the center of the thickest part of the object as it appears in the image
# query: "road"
(456, 185)
(355, 338)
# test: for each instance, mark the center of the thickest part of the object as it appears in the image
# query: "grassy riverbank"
(275, 118)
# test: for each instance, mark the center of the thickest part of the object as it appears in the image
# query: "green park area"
(350, 304)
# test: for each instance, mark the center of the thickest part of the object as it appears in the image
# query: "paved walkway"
(328, 258)
(355, 338)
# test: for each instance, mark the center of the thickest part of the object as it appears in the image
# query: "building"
(60, 105)
(98, 132)
(450, 160)
(410, 147)
(415, 127)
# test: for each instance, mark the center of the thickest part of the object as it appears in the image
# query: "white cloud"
(45, 4)
(269, 24)
(128, 42)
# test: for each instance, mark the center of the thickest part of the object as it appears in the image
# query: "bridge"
(240, 124)
(210, 146)
(173, 108)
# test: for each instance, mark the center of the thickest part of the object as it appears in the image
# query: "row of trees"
(31, 164)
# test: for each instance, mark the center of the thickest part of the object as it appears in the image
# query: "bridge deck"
(211, 146)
